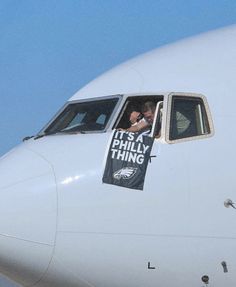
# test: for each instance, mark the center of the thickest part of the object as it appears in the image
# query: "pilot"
(148, 111)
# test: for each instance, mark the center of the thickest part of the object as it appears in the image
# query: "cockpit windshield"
(83, 117)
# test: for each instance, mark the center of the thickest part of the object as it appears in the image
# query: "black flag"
(127, 159)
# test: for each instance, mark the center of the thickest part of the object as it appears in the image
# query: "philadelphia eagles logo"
(125, 173)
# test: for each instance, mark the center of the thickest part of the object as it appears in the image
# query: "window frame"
(168, 117)
(158, 109)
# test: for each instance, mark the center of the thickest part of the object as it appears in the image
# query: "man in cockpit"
(148, 111)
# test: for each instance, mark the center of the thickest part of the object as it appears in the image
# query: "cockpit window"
(83, 117)
(132, 113)
(188, 118)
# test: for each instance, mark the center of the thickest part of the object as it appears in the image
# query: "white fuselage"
(61, 226)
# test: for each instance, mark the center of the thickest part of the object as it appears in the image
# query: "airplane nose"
(28, 214)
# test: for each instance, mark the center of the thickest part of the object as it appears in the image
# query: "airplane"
(62, 225)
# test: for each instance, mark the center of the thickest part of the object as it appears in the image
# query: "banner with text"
(127, 159)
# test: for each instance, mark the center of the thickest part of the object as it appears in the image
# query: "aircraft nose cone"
(28, 213)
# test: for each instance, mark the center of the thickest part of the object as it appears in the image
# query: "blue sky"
(50, 49)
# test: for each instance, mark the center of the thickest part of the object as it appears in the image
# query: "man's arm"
(140, 126)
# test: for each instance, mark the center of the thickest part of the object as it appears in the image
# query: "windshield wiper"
(59, 132)
(39, 136)
(43, 135)
(27, 138)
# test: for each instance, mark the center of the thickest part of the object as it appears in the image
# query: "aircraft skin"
(61, 226)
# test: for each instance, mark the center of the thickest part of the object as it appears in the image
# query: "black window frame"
(43, 131)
